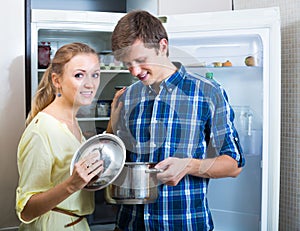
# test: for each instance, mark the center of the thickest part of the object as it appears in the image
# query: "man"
(182, 122)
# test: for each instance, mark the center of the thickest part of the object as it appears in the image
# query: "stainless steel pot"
(136, 184)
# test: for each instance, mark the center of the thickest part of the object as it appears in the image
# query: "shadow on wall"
(12, 124)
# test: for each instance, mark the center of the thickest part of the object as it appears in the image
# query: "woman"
(48, 198)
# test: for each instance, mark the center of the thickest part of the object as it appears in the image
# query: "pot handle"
(153, 170)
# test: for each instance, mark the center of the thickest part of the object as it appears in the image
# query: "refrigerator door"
(204, 42)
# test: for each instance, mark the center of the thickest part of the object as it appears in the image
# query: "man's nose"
(135, 70)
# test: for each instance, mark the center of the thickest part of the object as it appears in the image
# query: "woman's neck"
(61, 111)
(67, 116)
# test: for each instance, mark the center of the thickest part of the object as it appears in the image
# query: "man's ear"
(163, 46)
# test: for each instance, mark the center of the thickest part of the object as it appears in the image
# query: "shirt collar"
(172, 82)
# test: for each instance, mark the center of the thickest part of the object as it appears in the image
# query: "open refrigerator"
(250, 41)
(203, 43)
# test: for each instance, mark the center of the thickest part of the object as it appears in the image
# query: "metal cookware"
(111, 150)
(124, 183)
(136, 184)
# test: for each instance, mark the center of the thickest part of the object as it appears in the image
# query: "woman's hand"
(116, 107)
(86, 171)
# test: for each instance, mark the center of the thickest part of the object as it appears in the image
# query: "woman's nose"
(90, 82)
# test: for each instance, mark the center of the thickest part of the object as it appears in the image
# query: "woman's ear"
(56, 80)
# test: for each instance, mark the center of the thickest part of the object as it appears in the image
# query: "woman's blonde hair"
(46, 90)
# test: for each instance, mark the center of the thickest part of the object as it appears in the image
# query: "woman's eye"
(96, 75)
(78, 75)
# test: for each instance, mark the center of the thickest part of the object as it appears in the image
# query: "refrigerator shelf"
(89, 119)
(251, 71)
(239, 68)
(102, 71)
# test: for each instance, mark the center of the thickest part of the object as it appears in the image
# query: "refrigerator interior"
(90, 122)
(234, 202)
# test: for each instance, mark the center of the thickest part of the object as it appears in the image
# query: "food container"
(217, 64)
(44, 52)
(136, 184)
(103, 108)
(106, 59)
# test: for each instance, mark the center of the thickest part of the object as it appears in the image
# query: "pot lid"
(111, 150)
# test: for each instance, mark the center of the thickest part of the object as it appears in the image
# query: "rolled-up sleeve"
(35, 165)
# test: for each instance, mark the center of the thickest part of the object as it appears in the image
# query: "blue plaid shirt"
(189, 118)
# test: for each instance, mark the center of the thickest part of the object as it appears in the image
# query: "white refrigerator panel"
(251, 200)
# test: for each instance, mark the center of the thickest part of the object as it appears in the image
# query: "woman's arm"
(84, 171)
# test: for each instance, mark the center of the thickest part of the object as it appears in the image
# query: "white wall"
(12, 104)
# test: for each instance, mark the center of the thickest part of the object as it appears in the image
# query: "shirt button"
(152, 144)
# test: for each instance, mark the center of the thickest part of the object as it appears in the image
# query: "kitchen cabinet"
(168, 7)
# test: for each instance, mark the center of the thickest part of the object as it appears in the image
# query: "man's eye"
(141, 61)
(127, 64)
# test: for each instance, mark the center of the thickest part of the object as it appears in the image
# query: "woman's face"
(80, 80)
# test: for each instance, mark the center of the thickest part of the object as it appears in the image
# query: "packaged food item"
(217, 64)
(106, 59)
(209, 75)
(227, 64)
(103, 108)
(250, 61)
(44, 52)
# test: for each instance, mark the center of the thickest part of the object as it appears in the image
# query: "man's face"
(147, 64)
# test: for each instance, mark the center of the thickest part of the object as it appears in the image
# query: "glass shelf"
(102, 71)
(91, 119)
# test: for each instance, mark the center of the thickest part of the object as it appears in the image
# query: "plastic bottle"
(209, 75)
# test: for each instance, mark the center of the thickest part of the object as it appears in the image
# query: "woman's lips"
(86, 93)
